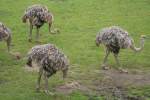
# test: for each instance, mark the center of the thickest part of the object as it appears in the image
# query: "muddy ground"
(109, 83)
(113, 84)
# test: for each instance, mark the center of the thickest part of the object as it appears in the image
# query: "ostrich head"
(98, 40)
(66, 67)
(24, 18)
(6, 35)
(142, 41)
(48, 18)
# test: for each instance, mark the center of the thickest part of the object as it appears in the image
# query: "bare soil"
(112, 84)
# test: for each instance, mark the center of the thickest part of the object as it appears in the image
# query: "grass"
(79, 21)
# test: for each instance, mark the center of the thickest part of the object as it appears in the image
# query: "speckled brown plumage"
(115, 38)
(5, 34)
(49, 58)
(37, 16)
(36, 13)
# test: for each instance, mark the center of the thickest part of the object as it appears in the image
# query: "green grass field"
(78, 22)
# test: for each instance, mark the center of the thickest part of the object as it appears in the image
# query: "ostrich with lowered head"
(50, 60)
(115, 38)
(5, 35)
(37, 16)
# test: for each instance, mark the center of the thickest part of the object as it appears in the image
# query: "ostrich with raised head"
(5, 35)
(115, 38)
(37, 16)
(50, 60)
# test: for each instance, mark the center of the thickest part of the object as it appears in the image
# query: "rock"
(123, 70)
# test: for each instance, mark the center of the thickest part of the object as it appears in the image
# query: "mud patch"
(110, 84)
(115, 84)
(70, 87)
(127, 79)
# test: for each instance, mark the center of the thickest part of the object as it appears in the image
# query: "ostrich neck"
(138, 49)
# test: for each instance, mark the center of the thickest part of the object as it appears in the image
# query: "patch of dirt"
(112, 83)
(70, 87)
(126, 79)
(108, 83)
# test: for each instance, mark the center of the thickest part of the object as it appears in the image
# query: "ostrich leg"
(30, 33)
(39, 79)
(116, 59)
(118, 63)
(65, 73)
(46, 85)
(105, 59)
(49, 27)
(8, 43)
(37, 35)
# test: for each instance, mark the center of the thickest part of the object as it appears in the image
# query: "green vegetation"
(78, 21)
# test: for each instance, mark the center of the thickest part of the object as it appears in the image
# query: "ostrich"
(37, 16)
(5, 35)
(115, 38)
(50, 60)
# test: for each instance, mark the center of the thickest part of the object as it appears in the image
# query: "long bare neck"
(134, 48)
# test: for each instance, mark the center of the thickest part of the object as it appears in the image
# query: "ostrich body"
(50, 60)
(115, 38)
(5, 35)
(37, 16)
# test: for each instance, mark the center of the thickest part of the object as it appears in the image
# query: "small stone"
(123, 70)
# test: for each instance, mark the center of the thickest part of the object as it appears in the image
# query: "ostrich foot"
(37, 89)
(55, 31)
(12, 45)
(121, 70)
(104, 67)
(30, 40)
(38, 42)
(48, 92)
